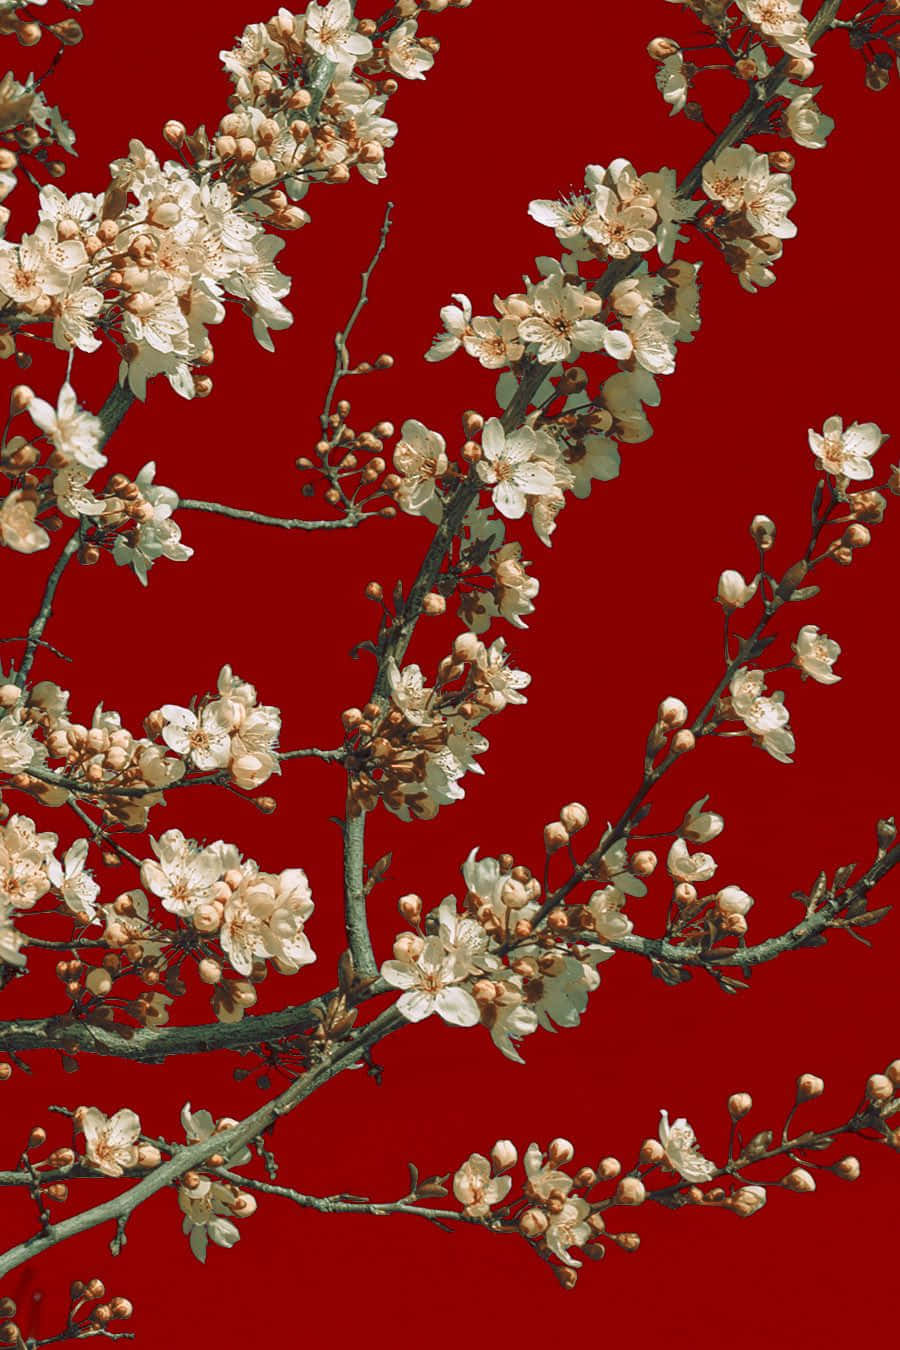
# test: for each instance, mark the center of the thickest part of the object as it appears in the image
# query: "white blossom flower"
(457, 321)
(204, 738)
(806, 122)
(621, 227)
(765, 718)
(73, 431)
(184, 875)
(733, 900)
(846, 453)
(685, 866)
(406, 56)
(565, 217)
(158, 537)
(682, 1154)
(19, 529)
(431, 984)
(77, 886)
(672, 83)
(606, 907)
(509, 1019)
(265, 918)
(815, 654)
(700, 826)
(509, 464)
(410, 693)
(110, 1142)
(330, 31)
(560, 323)
(779, 20)
(18, 748)
(475, 1188)
(568, 1228)
(420, 456)
(734, 592)
(492, 670)
(542, 1177)
(205, 1208)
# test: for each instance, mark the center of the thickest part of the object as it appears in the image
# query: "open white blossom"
(110, 1142)
(475, 1188)
(420, 456)
(430, 983)
(686, 866)
(806, 122)
(331, 32)
(510, 465)
(560, 324)
(74, 432)
(815, 654)
(682, 1154)
(765, 718)
(780, 21)
(846, 453)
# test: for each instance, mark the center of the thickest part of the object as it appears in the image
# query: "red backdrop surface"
(519, 101)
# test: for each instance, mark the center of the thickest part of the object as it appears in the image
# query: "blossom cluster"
(412, 755)
(29, 869)
(230, 733)
(130, 519)
(149, 263)
(114, 1144)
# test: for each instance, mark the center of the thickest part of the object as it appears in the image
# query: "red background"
(518, 103)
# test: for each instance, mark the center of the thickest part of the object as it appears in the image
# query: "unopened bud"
(608, 1169)
(504, 1155)
(533, 1222)
(683, 741)
(573, 817)
(848, 1169)
(660, 48)
(740, 1104)
(652, 1151)
(630, 1191)
(673, 713)
(799, 1180)
(556, 836)
(808, 1086)
(879, 1088)
(410, 906)
(560, 1152)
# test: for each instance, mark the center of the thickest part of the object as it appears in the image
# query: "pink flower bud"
(799, 1180)
(740, 1104)
(848, 1168)
(556, 836)
(574, 817)
(608, 1169)
(643, 863)
(879, 1088)
(533, 1222)
(673, 713)
(560, 1151)
(410, 906)
(631, 1191)
(808, 1085)
(504, 1155)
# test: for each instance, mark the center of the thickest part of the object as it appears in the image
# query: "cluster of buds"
(28, 31)
(351, 463)
(549, 1206)
(412, 754)
(229, 733)
(33, 133)
(90, 1313)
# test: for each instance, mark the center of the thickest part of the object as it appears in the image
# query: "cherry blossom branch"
(355, 516)
(119, 1209)
(807, 933)
(739, 125)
